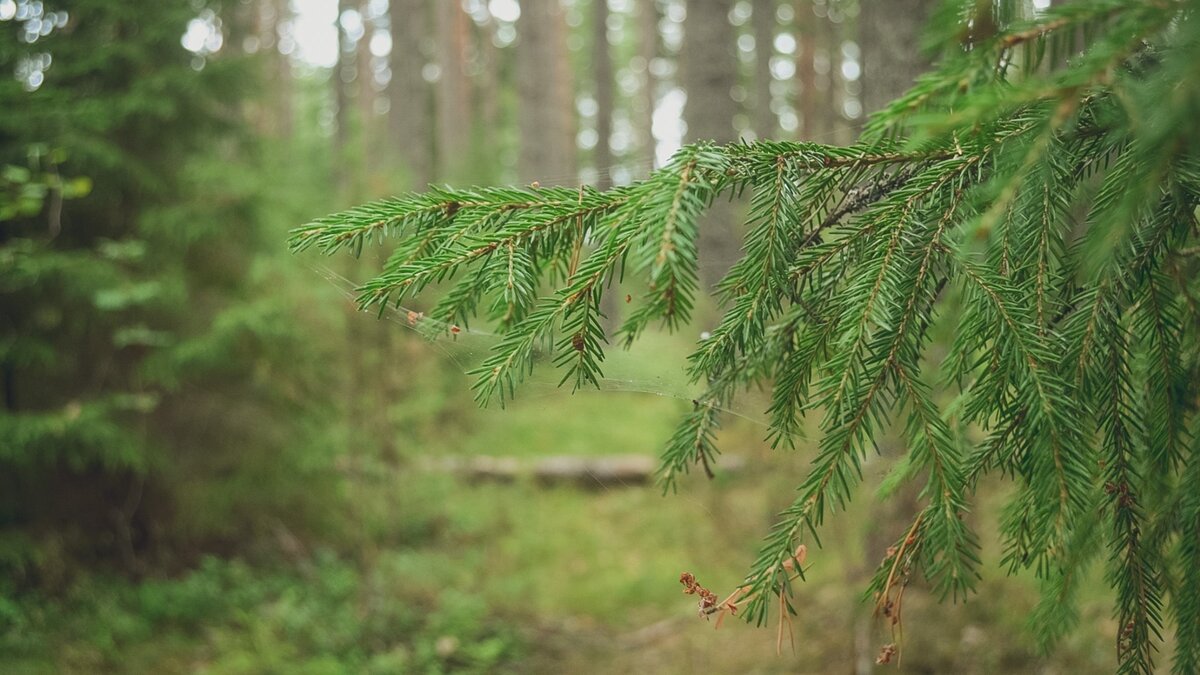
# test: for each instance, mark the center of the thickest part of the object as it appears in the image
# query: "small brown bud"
(801, 554)
(886, 654)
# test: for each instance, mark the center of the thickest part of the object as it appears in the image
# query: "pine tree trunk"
(889, 38)
(285, 116)
(410, 116)
(844, 129)
(364, 92)
(243, 24)
(763, 18)
(709, 66)
(253, 28)
(546, 107)
(648, 51)
(602, 73)
(1078, 40)
(490, 125)
(342, 72)
(812, 104)
(453, 100)
(819, 58)
(602, 157)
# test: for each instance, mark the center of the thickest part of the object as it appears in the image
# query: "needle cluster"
(1033, 199)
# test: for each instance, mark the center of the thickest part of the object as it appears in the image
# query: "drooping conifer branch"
(1030, 206)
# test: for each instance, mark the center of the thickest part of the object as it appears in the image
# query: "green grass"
(436, 575)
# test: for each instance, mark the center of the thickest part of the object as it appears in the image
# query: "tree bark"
(810, 103)
(763, 19)
(602, 73)
(844, 130)
(410, 116)
(284, 109)
(1078, 40)
(490, 125)
(648, 51)
(602, 156)
(817, 35)
(453, 99)
(889, 37)
(547, 106)
(343, 72)
(364, 92)
(709, 67)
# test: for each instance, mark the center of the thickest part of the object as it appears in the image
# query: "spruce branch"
(1035, 209)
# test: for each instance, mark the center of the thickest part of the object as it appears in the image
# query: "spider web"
(624, 370)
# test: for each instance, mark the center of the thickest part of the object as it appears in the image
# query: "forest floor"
(460, 576)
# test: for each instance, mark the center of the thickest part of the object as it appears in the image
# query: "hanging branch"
(1036, 212)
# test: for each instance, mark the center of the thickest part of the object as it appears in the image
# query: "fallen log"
(587, 472)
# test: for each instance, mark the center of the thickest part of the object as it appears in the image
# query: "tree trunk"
(648, 51)
(253, 28)
(814, 65)
(709, 66)
(490, 127)
(410, 115)
(453, 100)
(284, 109)
(602, 72)
(889, 35)
(763, 18)
(810, 103)
(343, 72)
(1078, 41)
(547, 104)
(845, 129)
(364, 92)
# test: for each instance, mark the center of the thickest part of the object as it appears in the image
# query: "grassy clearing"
(433, 574)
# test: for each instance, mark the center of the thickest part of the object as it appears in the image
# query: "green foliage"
(327, 620)
(1037, 199)
(133, 374)
(25, 189)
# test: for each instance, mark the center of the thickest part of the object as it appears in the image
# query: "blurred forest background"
(210, 463)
